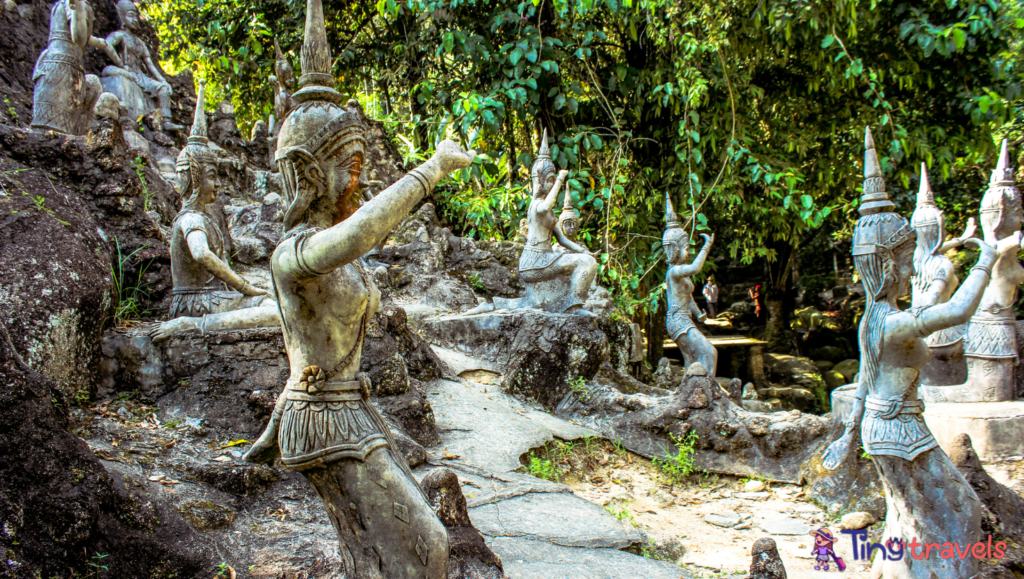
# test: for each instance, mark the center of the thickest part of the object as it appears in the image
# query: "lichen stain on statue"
(200, 299)
(64, 95)
(919, 479)
(934, 282)
(323, 424)
(682, 308)
(133, 78)
(556, 281)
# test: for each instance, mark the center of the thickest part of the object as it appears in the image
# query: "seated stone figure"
(682, 309)
(555, 282)
(64, 95)
(136, 76)
(199, 300)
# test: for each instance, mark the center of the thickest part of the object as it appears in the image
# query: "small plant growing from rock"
(621, 512)
(97, 568)
(543, 469)
(676, 469)
(128, 292)
(579, 388)
(140, 170)
(224, 571)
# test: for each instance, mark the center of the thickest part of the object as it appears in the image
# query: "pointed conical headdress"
(926, 212)
(671, 219)
(544, 152)
(277, 50)
(875, 199)
(316, 82)
(1002, 194)
(198, 134)
(567, 202)
(1003, 173)
(542, 164)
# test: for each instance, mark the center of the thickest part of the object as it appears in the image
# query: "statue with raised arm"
(284, 86)
(64, 95)
(935, 281)
(927, 499)
(990, 345)
(136, 67)
(555, 281)
(199, 299)
(324, 425)
(567, 220)
(682, 309)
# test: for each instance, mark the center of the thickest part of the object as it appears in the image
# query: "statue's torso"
(678, 320)
(997, 301)
(538, 253)
(186, 272)
(133, 53)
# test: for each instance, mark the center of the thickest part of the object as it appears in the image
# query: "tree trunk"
(780, 301)
(655, 330)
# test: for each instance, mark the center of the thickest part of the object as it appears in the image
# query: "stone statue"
(934, 278)
(134, 75)
(990, 345)
(555, 282)
(567, 220)
(198, 267)
(64, 95)
(927, 498)
(324, 426)
(284, 86)
(681, 306)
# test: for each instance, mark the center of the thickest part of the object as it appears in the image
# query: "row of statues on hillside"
(927, 498)
(65, 95)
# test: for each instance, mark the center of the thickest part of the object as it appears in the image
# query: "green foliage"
(677, 468)
(95, 563)
(543, 469)
(620, 510)
(579, 388)
(139, 164)
(750, 113)
(129, 291)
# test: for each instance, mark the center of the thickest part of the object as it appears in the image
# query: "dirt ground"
(672, 516)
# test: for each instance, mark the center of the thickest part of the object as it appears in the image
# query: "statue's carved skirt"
(677, 323)
(895, 427)
(991, 337)
(199, 301)
(946, 336)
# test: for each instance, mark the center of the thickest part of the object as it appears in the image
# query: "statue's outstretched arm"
(694, 267)
(552, 196)
(79, 21)
(152, 67)
(965, 301)
(199, 246)
(364, 229)
(958, 241)
(107, 49)
(568, 243)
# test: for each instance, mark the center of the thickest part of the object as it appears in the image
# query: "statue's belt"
(311, 389)
(889, 408)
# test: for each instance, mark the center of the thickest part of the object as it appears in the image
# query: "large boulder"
(799, 382)
(59, 506)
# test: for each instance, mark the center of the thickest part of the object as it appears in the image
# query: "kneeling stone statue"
(324, 425)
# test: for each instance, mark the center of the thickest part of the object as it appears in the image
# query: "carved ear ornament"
(313, 379)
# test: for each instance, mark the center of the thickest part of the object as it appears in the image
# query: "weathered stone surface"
(765, 561)
(57, 499)
(729, 439)
(858, 520)
(803, 387)
(1003, 511)
(470, 556)
(848, 368)
(539, 353)
(525, 558)
(784, 526)
(722, 519)
(754, 486)
(852, 487)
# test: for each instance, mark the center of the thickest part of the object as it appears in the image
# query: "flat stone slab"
(559, 518)
(460, 362)
(489, 429)
(722, 519)
(751, 496)
(785, 526)
(529, 559)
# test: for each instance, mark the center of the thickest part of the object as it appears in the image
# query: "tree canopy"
(750, 113)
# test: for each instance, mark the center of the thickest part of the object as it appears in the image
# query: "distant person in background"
(711, 295)
(755, 294)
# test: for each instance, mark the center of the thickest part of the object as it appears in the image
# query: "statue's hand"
(171, 327)
(451, 157)
(969, 230)
(251, 290)
(708, 239)
(837, 452)
(703, 316)
(1008, 244)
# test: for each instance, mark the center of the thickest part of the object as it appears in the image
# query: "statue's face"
(209, 183)
(904, 256)
(285, 72)
(677, 251)
(344, 180)
(131, 19)
(543, 183)
(570, 227)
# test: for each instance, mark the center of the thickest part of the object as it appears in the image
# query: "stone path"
(539, 528)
